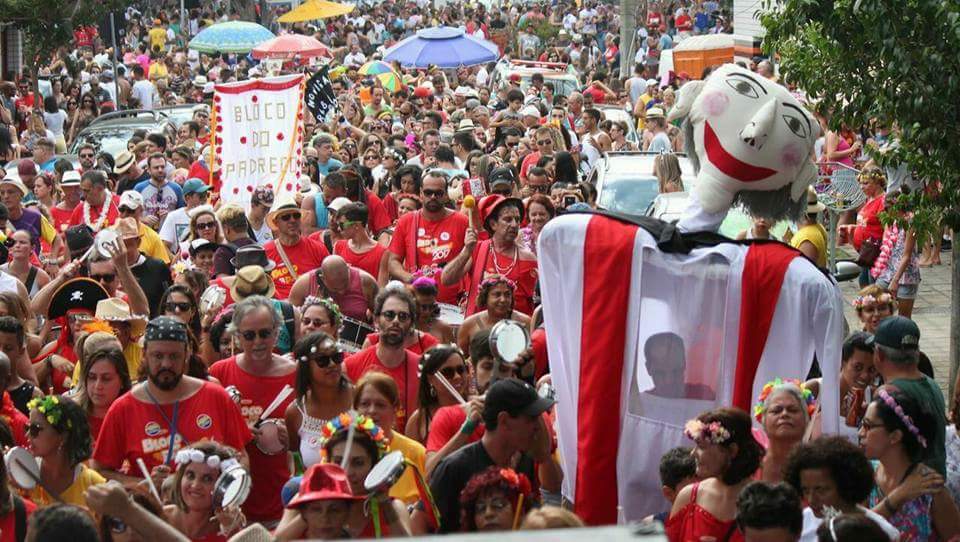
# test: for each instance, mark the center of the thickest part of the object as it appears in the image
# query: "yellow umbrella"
(315, 9)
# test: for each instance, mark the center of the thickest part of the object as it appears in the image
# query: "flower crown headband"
(809, 401)
(51, 408)
(861, 301)
(328, 304)
(361, 423)
(494, 280)
(713, 432)
(193, 455)
(328, 344)
(517, 481)
(904, 417)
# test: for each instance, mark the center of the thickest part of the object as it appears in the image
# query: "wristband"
(468, 427)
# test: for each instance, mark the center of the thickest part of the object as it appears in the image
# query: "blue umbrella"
(230, 37)
(442, 46)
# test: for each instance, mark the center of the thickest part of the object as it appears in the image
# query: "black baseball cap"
(516, 397)
(897, 332)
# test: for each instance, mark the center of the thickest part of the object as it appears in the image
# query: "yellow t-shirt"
(817, 235)
(151, 245)
(83, 478)
(158, 37)
(158, 70)
(406, 487)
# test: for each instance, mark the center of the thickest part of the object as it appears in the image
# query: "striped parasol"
(230, 37)
(383, 72)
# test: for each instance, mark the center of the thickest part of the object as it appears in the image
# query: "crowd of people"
(157, 341)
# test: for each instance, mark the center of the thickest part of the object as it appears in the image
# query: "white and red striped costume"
(747, 314)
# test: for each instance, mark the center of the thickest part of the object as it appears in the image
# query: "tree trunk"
(628, 33)
(954, 313)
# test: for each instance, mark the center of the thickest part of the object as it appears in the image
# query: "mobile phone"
(568, 201)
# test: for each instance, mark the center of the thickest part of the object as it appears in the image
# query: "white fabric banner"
(258, 136)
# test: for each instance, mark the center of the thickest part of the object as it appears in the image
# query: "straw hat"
(251, 280)
(281, 206)
(814, 205)
(114, 309)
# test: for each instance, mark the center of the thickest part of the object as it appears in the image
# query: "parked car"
(110, 132)
(11, 166)
(625, 181)
(562, 76)
(178, 114)
(618, 113)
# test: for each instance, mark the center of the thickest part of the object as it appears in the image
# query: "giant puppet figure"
(652, 324)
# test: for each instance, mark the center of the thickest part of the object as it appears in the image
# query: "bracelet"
(468, 427)
(888, 506)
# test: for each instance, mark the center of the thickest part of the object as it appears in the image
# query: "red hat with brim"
(488, 207)
(422, 92)
(323, 482)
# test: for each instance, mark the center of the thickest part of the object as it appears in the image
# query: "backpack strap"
(287, 309)
(31, 277)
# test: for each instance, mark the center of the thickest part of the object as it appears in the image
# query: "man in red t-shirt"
(395, 312)
(302, 254)
(439, 236)
(168, 411)
(259, 375)
(96, 211)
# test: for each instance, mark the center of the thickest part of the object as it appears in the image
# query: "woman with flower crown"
(495, 302)
(873, 304)
(727, 456)
(783, 409)
(194, 512)
(895, 434)
(496, 499)
(60, 440)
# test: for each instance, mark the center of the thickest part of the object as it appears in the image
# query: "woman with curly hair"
(895, 433)
(60, 439)
(194, 512)
(495, 500)
(833, 476)
(495, 302)
(873, 304)
(449, 361)
(783, 409)
(727, 457)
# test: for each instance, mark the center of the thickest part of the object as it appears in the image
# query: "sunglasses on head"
(390, 316)
(449, 372)
(251, 334)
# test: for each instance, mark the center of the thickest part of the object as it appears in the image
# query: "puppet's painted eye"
(743, 87)
(796, 126)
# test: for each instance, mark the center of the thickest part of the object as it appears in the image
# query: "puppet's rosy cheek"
(791, 155)
(715, 103)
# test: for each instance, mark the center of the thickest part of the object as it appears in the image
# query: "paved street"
(931, 312)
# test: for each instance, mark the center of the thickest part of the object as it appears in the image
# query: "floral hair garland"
(810, 402)
(517, 481)
(904, 417)
(50, 407)
(328, 304)
(192, 455)
(713, 432)
(862, 301)
(494, 280)
(362, 424)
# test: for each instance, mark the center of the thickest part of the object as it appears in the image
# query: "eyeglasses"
(116, 525)
(867, 425)
(495, 505)
(287, 217)
(251, 334)
(323, 362)
(105, 277)
(84, 154)
(34, 429)
(74, 318)
(206, 225)
(449, 372)
(390, 316)
(541, 188)
(173, 306)
(371, 157)
(544, 142)
(433, 193)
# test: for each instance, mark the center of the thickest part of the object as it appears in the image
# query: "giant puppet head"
(752, 142)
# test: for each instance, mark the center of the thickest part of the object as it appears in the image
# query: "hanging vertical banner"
(259, 136)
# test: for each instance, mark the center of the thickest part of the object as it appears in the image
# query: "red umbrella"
(288, 46)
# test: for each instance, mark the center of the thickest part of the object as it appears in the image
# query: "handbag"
(869, 251)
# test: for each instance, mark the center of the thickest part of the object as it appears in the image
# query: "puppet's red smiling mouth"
(728, 164)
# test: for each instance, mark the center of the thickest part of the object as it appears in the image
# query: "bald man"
(353, 289)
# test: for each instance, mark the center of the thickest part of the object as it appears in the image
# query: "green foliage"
(48, 24)
(544, 30)
(889, 62)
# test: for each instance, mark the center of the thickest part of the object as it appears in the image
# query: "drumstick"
(350, 434)
(468, 203)
(146, 474)
(446, 384)
(36, 480)
(281, 397)
(516, 513)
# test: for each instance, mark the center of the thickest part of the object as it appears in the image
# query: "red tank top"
(352, 302)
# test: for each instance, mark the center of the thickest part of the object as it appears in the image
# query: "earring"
(433, 391)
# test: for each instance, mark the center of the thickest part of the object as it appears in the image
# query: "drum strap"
(286, 260)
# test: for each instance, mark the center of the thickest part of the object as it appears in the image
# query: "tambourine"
(213, 296)
(269, 440)
(508, 339)
(385, 473)
(23, 467)
(232, 487)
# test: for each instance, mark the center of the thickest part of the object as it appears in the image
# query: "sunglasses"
(206, 225)
(371, 157)
(390, 316)
(173, 306)
(347, 223)
(34, 429)
(541, 188)
(86, 155)
(105, 277)
(287, 217)
(323, 362)
(449, 372)
(433, 193)
(251, 334)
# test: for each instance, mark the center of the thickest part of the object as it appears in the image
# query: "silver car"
(625, 181)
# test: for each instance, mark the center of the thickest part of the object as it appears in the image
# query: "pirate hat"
(81, 293)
